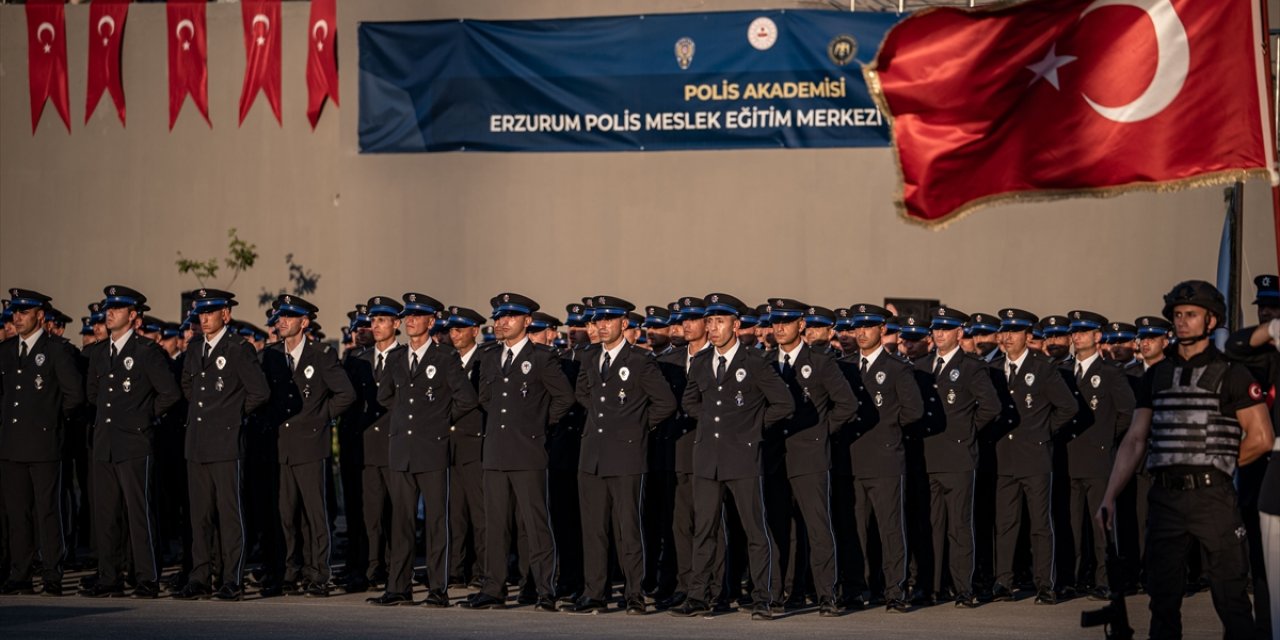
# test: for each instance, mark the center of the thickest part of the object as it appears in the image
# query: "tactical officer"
(130, 386)
(308, 387)
(1104, 402)
(960, 403)
(798, 454)
(426, 393)
(626, 397)
(735, 395)
(466, 474)
(41, 385)
(871, 450)
(222, 382)
(1038, 405)
(524, 391)
(1198, 418)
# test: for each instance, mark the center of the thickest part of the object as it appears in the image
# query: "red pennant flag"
(106, 32)
(1059, 98)
(262, 54)
(188, 54)
(322, 58)
(47, 59)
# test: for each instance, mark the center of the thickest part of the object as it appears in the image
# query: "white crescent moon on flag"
(320, 25)
(109, 21)
(185, 23)
(41, 29)
(1173, 59)
(266, 22)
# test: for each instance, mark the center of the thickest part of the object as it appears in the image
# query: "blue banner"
(729, 80)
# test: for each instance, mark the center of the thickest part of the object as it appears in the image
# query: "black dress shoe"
(761, 611)
(53, 589)
(897, 605)
(18, 588)
(271, 591)
(690, 608)
(674, 601)
(966, 600)
(356, 585)
(317, 590)
(229, 593)
(484, 601)
(527, 597)
(436, 598)
(635, 607)
(853, 603)
(827, 608)
(193, 591)
(103, 591)
(547, 604)
(390, 600)
(1001, 593)
(476, 583)
(564, 594)
(587, 606)
(298, 588)
(1046, 596)
(1099, 593)
(146, 591)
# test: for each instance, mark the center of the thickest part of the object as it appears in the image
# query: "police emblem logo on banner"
(842, 49)
(684, 52)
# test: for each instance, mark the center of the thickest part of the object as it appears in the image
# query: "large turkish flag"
(1058, 98)
(322, 57)
(261, 54)
(188, 57)
(47, 59)
(106, 32)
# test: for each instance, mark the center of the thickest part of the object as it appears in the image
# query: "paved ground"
(348, 615)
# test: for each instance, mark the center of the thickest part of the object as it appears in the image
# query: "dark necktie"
(1013, 375)
(377, 370)
(1079, 372)
(288, 357)
(604, 366)
(114, 353)
(786, 364)
(506, 361)
(937, 366)
(413, 365)
(208, 351)
(22, 352)
(865, 365)
(721, 365)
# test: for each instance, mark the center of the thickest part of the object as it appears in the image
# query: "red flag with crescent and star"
(106, 32)
(322, 58)
(261, 55)
(188, 57)
(47, 59)
(1059, 98)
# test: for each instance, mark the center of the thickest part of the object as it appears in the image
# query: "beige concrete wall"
(106, 204)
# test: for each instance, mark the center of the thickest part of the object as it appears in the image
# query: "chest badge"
(39, 382)
(624, 373)
(39, 359)
(1096, 381)
(309, 371)
(622, 396)
(955, 375)
(219, 384)
(879, 399)
(951, 396)
(805, 372)
(127, 385)
(220, 362)
(740, 375)
(1028, 400)
(1030, 379)
(526, 367)
(1093, 403)
(431, 371)
(880, 377)
(738, 399)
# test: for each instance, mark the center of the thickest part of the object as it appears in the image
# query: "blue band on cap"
(383, 309)
(717, 307)
(170, 333)
(844, 323)
(1016, 323)
(112, 301)
(245, 331)
(982, 326)
(785, 315)
(417, 307)
(892, 326)
(1049, 332)
(819, 321)
(696, 312)
(918, 333)
(25, 302)
(152, 327)
(945, 323)
(95, 318)
(294, 309)
(608, 311)
(1120, 336)
(506, 308)
(1152, 332)
(867, 317)
(538, 325)
(1268, 293)
(210, 303)
(656, 321)
(1087, 325)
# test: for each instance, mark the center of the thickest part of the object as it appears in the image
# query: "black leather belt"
(1189, 481)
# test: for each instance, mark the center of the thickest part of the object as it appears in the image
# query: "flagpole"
(1236, 212)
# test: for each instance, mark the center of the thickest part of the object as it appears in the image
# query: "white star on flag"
(1048, 67)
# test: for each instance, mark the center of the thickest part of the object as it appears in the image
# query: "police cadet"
(678, 435)
(131, 386)
(351, 450)
(1057, 340)
(798, 454)
(1038, 405)
(40, 385)
(425, 391)
(659, 493)
(1104, 402)
(764, 327)
(1121, 340)
(736, 396)
(524, 391)
(819, 325)
(657, 328)
(466, 474)
(223, 382)
(367, 369)
(961, 401)
(1199, 418)
(308, 389)
(625, 397)
(871, 450)
(984, 329)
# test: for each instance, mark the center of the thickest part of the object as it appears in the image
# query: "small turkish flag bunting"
(262, 54)
(322, 58)
(1059, 98)
(47, 59)
(188, 57)
(106, 32)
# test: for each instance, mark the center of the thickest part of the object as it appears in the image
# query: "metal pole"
(1237, 234)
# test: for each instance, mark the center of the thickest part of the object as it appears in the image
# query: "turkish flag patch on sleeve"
(1255, 391)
